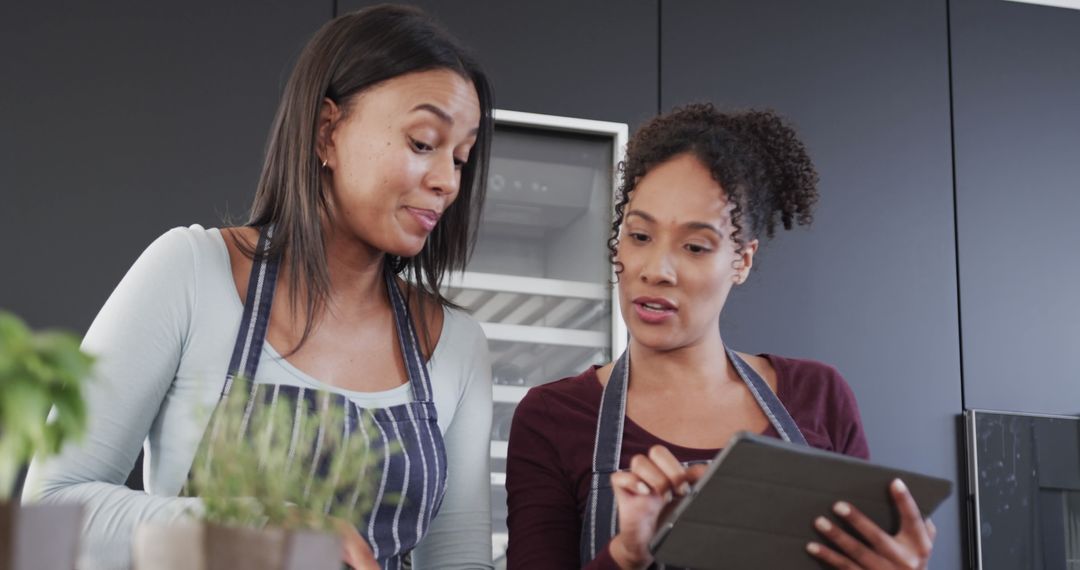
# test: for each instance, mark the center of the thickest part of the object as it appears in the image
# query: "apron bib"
(600, 523)
(412, 479)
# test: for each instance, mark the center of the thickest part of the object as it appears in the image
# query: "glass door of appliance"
(540, 279)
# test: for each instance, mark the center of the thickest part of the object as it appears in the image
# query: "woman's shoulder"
(813, 388)
(178, 253)
(461, 339)
(461, 349)
(572, 395)
(187, 268)
(459, 327)
(192, 242)
(194, 235)
(557, 412)
(165, 292)
(822, 402)
(803, 374)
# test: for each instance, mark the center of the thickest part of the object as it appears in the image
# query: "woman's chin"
(655, 340)
(398, 242)
(406, 248)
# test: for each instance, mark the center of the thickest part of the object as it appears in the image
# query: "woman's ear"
(746, 261)
(329, 115)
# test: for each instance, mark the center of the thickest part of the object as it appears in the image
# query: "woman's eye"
(695, 248)
(639, 237)
(421, 146)
(459, 164)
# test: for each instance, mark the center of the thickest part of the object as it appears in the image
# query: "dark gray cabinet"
(594, 60)
(122, 119)
(1016, 94)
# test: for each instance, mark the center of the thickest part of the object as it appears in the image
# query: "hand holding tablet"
(757, 505)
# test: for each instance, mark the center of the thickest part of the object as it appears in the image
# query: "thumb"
(696, 472)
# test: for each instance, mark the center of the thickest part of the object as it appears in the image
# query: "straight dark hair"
(348, 55)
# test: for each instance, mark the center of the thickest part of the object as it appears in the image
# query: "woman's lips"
(427, 219)
(654, 311)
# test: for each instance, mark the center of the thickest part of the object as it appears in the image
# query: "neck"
(355, 270)
(703, 364)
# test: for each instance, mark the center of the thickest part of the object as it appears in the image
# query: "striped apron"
(600, 522)
(412, 477)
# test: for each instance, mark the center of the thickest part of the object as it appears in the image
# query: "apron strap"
(249, 339)
(609, 424)
(600, 523)
(415, 366)
(778, 415)
(256, 316)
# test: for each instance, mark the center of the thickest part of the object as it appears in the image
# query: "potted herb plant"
(263, 506)
(39, 372)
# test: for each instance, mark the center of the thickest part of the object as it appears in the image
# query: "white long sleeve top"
(163, 341)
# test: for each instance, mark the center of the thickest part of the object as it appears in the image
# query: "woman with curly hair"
(700, 188)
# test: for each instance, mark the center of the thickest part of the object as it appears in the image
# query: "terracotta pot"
(39, 536)
(204, 546)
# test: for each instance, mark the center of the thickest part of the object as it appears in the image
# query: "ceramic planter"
(39, 536)
(204, 546)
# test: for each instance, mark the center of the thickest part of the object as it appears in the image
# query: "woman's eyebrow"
(441, 114)
(687, 225)
(641, 215)
(703, 226)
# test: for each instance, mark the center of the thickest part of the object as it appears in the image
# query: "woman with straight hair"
(373, 183)
(595, 460)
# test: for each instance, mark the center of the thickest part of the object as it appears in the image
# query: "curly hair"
(755, 157)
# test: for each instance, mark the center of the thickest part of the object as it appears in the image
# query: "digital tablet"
(755, 506)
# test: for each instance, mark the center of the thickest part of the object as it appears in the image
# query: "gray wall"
(933, 288)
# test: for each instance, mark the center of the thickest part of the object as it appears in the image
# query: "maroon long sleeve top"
(549, 461)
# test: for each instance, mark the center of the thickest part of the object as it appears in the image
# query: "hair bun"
(789, 181)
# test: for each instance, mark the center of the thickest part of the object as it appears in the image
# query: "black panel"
(871, 288)
(125, 118)
(1025, 473)
(593, 60)
(1016, 80)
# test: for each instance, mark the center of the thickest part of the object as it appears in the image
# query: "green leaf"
(39, 371)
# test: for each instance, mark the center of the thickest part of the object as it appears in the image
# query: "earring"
(324, 163)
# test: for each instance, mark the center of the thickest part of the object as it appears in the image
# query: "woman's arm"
(843, 420)
(543, 519)
(138, 338)
(460, 535)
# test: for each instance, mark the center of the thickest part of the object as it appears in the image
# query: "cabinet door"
(871, 288)
(594, 59)
(123, 119)
(1016, 93)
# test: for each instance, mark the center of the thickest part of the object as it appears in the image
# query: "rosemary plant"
(270, 463)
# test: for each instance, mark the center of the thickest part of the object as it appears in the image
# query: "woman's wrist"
(625, 557)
